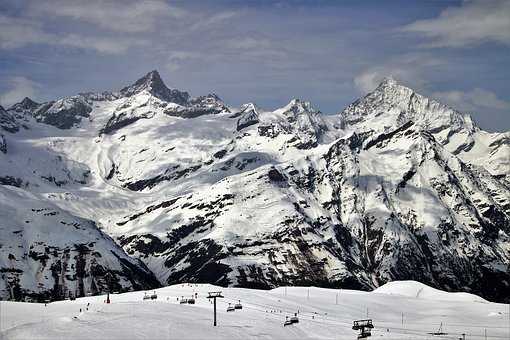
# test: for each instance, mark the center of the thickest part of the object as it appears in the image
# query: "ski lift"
(231, 308)
(294, 319)
(146, 297)
(154, 296)
(238, 305)
(287, 322)
(439, 331)
(364, 326)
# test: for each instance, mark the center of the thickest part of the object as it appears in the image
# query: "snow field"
(400, 310)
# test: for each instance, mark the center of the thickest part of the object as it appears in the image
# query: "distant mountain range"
(149, 186)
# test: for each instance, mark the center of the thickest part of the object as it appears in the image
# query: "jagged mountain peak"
(298, 106)
(213, 96)
(26, 104)
(150, 81)
(392, 103)
(388, 81)
(209, 99)
(153, 84)
(249, 107)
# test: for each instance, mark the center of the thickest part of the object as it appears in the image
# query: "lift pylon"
(214, 296)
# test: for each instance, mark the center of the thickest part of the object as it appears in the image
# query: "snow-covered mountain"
(396, 186)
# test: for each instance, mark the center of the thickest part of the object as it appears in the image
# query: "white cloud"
(472, 23)
(124, 16)
(19, 87)
(473, 100)
(105, 45)
(245, 49)
(177, 58)
(213, 20)
(16, 33)
(248, 43)
(409, 69)
(19, 32)
(370, 79)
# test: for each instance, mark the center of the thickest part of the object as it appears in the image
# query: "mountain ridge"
(396, 186)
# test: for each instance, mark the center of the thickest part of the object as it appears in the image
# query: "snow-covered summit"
(149, 97)
(297, 106)
(391, 105)
(249, 106)
(394, 104)
(26, 105)
(300, 120)
(63, 113)
(153, 84)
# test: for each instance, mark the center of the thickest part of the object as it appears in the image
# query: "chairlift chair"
(294, 319)
(191, 301)
(364, 326)
(238, 305)
(287, 322)
(146, 297)
(364, 334)
(154, 296)
(230, 308)
(360, 324)
(183, 301)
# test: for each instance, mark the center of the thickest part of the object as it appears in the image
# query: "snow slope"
(418, 290)
(323, 314)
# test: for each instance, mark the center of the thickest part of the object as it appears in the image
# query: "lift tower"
(214, 296)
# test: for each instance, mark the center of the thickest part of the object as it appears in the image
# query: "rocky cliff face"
(396, 186)
(7, 121)
(49, 254)
(64, 113)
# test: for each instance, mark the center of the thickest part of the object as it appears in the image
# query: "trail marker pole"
(214, 296)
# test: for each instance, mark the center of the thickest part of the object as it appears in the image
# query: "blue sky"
(267, 52)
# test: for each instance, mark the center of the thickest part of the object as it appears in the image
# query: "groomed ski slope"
(320, 315)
